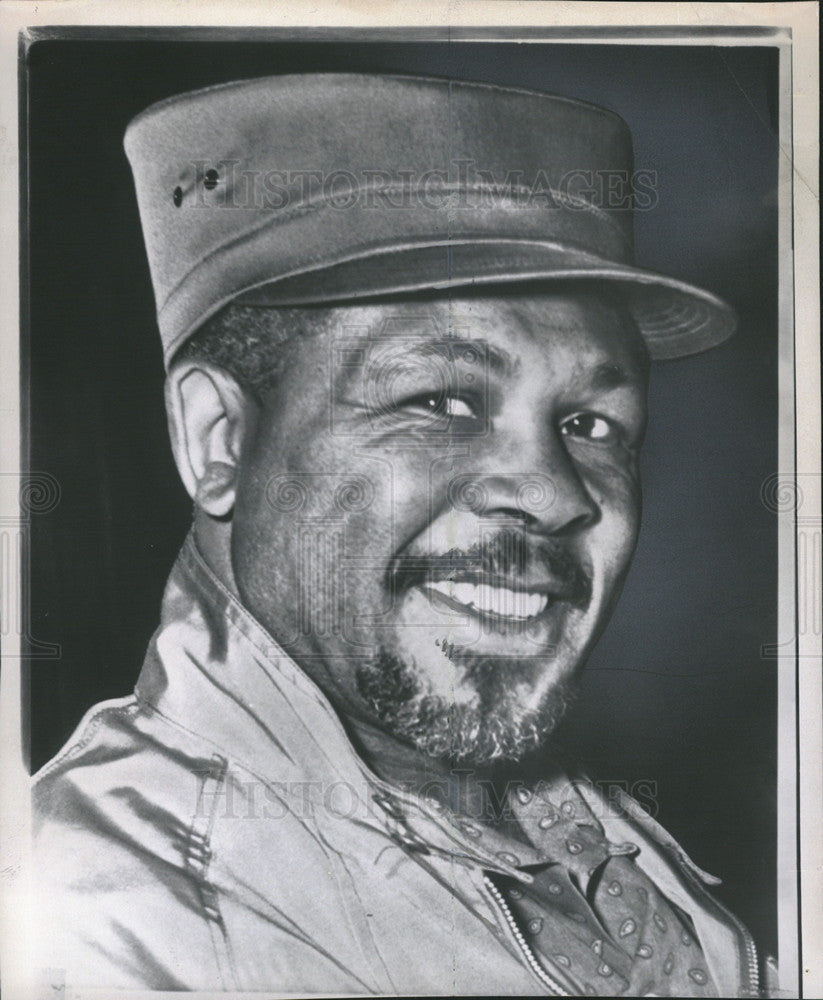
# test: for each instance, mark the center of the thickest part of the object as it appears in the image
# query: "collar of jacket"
(213, 670)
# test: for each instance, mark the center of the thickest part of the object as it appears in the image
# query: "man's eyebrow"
(610, 375)
(495, 358)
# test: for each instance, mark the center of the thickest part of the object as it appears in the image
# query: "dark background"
(677, 693)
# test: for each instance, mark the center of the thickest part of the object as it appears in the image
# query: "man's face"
(438, 508)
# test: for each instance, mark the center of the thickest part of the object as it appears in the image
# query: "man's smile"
(487, 600)
(505, 582)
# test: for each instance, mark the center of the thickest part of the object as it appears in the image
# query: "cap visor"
(676, 319)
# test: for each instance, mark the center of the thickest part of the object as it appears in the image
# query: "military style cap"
(316, 188)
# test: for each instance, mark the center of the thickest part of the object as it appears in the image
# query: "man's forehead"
(590, 325)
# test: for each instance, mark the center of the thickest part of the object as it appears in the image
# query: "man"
(407, 353)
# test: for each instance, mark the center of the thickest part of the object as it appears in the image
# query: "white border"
(797, 187)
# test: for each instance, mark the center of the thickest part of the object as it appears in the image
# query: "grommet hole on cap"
(177, 196)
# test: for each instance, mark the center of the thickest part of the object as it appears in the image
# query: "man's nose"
(538, 488)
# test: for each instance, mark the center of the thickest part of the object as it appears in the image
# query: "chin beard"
(492, 729)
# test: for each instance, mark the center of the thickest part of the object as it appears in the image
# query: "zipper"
(751, 952)
(752, 964)
(531, 959)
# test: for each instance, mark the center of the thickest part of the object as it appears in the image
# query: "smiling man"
(461, 621)
(407, 354)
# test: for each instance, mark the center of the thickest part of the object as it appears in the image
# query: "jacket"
(216, 830)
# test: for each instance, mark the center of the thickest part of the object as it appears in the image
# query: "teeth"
(464, 592)
(495, 600)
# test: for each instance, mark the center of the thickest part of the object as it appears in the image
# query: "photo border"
(792, 26)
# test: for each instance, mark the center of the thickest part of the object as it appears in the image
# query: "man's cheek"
(616, 494)
(611, 539)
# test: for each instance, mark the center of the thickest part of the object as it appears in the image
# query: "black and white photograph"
(417, 571)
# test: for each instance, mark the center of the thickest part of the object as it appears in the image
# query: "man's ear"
(210, 420)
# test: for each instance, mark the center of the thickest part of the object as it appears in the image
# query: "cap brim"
(676, 319)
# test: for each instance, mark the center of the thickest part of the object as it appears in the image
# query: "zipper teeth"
(528, 954)
(751, 951)
(748, 940)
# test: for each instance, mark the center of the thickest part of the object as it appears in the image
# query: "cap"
(316, 188)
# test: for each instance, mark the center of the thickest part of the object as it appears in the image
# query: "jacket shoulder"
(113, 814)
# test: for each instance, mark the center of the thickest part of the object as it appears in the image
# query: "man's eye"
(439, 406)
(590, 426)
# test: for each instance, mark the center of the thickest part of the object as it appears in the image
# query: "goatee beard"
(492, 729)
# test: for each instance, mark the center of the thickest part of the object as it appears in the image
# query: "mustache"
(508, 558)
